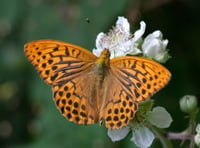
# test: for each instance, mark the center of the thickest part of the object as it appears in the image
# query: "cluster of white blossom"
(121, 42)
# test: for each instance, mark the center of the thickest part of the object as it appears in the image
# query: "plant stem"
(192, 125)
(179, 136)
(182, 136)
(161, 136)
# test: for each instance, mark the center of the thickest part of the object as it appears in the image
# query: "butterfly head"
(104, 59)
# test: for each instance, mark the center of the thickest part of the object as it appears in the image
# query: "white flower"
(154, 47)
(119, 40)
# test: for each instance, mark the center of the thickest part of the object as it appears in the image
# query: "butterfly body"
(87, 89)
(102, 66)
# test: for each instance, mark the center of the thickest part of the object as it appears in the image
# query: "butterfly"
(88, 89)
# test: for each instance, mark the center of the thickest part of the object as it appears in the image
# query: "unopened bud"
(188, 103)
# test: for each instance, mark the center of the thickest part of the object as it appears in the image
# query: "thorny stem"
(181, 136)
(165, 138)
(188, 135)
(160, 135)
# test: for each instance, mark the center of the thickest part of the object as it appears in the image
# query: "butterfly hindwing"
(76, 98)
(118, 107)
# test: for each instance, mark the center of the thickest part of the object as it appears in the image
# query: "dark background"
(28, 116)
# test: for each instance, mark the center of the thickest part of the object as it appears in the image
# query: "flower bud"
(154, 47)
(188, 103)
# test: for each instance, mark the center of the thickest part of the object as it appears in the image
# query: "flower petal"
(159, 117)
(123, 25)
(118, 134)
(138, 34)
(142, 137)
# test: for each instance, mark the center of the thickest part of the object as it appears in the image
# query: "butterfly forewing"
(139, 76)
(51, 57)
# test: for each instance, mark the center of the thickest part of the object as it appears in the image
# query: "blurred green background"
(28, 116)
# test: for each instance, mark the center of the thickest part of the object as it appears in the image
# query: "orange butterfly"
(88, 89)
